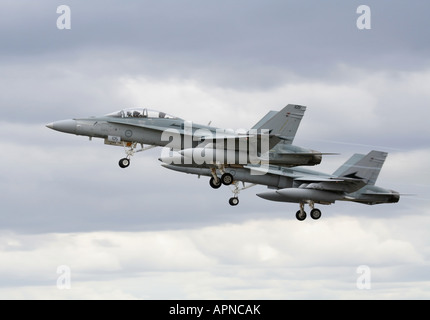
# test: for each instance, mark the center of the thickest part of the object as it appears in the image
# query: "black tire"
(227, 179)
(124, 162)
(315, 214)
(213, 184)
(299, 215)
(233, 201)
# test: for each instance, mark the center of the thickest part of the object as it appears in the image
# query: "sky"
(73, 225)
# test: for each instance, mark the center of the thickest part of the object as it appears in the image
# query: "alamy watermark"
(364, 20)
(203, 146)
(64, 21)
(364, 280)
(64, 280)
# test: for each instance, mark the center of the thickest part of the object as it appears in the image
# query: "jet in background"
(283, 125)
(353, 181)
(130, 127)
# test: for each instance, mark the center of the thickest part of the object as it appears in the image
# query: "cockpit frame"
(141, 113)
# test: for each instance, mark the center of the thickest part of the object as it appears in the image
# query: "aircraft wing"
(271, 170)
(290, 173)
(306, 180)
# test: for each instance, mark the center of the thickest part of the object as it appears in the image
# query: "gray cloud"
(307, 39)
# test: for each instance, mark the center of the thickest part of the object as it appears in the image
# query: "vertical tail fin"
(365, 167)
(283, 123)
(267, 117)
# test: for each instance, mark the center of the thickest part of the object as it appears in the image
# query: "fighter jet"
(220, 147)
(353, 181)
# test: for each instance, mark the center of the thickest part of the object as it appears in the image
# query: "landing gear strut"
(130, 151)
(227, 179)
(301, 214)
(214, 182)
(234, 201)
(315, 213)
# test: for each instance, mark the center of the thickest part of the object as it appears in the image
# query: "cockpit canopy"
(140, 113)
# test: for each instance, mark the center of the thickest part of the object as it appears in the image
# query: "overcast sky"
(150, 233)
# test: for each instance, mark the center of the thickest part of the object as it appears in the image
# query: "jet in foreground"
(353, 181)
(195, 142)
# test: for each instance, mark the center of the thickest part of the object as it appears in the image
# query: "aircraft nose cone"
(67, 126)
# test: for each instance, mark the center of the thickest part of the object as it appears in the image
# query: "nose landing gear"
(124, 162)
(129, 148)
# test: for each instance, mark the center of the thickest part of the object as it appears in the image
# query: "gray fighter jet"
(353, 181)
(220, 148)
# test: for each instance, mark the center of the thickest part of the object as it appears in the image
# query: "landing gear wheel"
(300, 216)
(315, 214)
(213, 184)
(227, 179)
(233, 201)
(124, 162)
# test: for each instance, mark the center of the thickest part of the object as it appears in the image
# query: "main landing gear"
(301, 214)
(216, 182)
(227, 179)
(129, 148)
